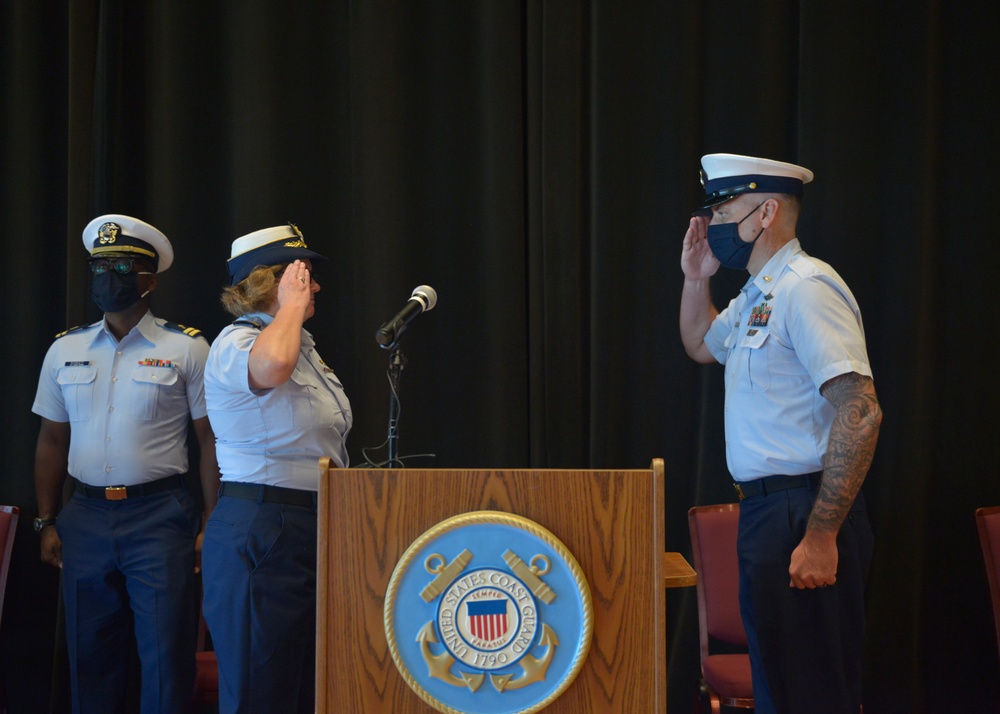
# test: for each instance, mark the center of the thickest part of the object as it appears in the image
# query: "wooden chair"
(8, 528)
(988, 521)
(725, 678)
(206, 676)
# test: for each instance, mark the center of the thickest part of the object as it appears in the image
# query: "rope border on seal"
(491, 518)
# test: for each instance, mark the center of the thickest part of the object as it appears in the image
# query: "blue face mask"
(727, 246)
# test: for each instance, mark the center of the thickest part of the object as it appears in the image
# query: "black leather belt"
(772, 484)
(268, 494)
(121, 493)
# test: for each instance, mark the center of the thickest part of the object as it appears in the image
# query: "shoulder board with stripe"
(250, 322)
(75, 329)
(177, 327)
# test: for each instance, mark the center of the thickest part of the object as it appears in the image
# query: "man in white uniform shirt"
(116, 399)
(802, 420)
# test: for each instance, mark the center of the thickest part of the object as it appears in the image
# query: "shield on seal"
(488, 619)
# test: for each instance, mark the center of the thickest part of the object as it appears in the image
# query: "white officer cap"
(726, 176)
(268, 246)
(116, 235)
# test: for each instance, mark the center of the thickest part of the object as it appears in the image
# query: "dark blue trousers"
(805, 645)
(259, 575)
(128, 567)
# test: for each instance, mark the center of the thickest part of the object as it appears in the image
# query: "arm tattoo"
(850, 450)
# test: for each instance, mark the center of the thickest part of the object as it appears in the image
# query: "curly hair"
(255, 293)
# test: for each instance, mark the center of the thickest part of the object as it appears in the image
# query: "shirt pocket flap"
(76, 375)
(301, 379)
(154, 375)
(754, 338)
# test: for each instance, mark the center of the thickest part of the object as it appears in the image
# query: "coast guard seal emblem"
(488, 612)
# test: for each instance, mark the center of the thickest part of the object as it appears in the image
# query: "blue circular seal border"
(414, 636)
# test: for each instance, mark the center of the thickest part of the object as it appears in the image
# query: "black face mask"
(727, 246)
(114, 292)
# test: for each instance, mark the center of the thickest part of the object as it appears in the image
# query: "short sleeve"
(49, 402)
(195, 377)
(825, 328)
(231, 357)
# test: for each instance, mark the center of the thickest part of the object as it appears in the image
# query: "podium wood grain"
(612, 522)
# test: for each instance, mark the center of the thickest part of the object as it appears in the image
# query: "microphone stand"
(396, 364)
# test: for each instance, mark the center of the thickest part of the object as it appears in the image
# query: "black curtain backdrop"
(536, 162)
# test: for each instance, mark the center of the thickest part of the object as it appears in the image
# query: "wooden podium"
(611, 521)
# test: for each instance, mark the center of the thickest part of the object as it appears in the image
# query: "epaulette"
(177, 327)
(250, 322)
(75, 329)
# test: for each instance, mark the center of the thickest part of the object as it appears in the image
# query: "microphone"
(423, 298)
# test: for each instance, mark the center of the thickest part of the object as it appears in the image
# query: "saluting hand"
(295, 289)
(697, 260)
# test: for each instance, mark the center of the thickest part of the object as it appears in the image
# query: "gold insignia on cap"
(300, 243)
(108, 233)
(753, 185)
(701, 177)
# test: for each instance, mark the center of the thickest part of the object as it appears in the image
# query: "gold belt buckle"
(739, 490)
(115, 493)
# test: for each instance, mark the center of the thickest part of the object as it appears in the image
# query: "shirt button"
(114, 380)
(107, 469)
(111, 408)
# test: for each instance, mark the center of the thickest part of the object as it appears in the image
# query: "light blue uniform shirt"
(128, 403)
(274, 436)
(793, 327)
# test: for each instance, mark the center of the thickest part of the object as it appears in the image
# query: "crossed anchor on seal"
(487, 620)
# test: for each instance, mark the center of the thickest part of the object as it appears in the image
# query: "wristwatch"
(40, 523)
